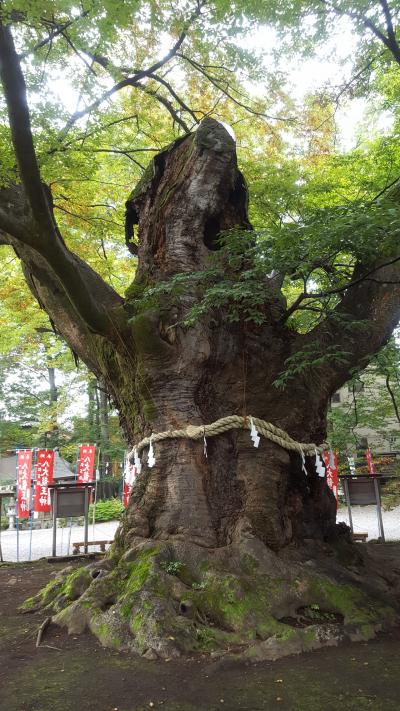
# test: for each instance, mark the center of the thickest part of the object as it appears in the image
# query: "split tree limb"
(376, 303)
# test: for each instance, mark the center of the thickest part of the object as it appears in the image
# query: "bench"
(360, 537)
(76, 547)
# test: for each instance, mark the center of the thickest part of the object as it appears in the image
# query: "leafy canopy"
(110, 84)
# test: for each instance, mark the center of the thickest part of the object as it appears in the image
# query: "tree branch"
(167, 104)
(15, 94)
(392, 397)
(215, 82)
(41, 233)
(78, 54)
(94, 131)
(389, 41)
(87, 219)
(330, 292)
(389, 25)
(356, 76)
(374, 304)
(10, 226)
(58, 30)
(177, 98)
(133, 80)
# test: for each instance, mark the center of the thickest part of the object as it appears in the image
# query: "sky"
(331, 67)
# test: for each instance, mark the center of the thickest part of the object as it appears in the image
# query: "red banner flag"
(24, 475)
(129, 480)
(368, 456)
(87, 453)
(44, 477)
(331, 465)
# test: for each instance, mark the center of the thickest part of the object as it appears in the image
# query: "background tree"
(372, 405)
(217, 318)
(38, 383)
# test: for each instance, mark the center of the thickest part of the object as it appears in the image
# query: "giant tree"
(211, 547)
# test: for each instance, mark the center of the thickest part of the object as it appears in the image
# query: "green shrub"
(108, 510)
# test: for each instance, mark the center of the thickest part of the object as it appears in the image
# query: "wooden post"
(54, 522)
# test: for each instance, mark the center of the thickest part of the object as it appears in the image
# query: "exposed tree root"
(165, 599)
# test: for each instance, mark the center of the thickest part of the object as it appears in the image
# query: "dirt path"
(82, 676)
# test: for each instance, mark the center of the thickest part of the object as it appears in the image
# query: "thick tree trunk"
(212, 369)
(210, 553)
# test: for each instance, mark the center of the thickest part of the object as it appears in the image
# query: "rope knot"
(194, 431)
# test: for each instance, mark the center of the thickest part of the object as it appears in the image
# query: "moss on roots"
(174, 598)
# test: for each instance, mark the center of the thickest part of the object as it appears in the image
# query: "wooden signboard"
(363, 491)
(70, 499)
(69, 502)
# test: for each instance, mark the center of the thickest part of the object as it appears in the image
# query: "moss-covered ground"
(72, 673)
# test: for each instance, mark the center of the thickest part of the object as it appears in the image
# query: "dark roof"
(8, 465)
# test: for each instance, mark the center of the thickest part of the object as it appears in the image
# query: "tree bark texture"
(162, 375)
(215, 368)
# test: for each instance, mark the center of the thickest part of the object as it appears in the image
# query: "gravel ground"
(42, 540)
(364, 520)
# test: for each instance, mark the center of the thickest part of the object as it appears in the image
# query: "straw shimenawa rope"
(232, 422)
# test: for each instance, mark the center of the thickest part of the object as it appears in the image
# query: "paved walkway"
(42, 540)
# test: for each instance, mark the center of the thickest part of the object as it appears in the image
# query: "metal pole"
(95, 491)
(347, 495)
(30, 531)
(31, 500)
(86, 518)
(1, 551)
(54, 523)
(77, 461)
(16, 508)
(69, 534)
(379, 510)
(94, 510)
(76, 477)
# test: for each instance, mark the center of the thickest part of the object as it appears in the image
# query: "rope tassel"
(151, 460)
(136, 460)
(253, 433)
(319, 465)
